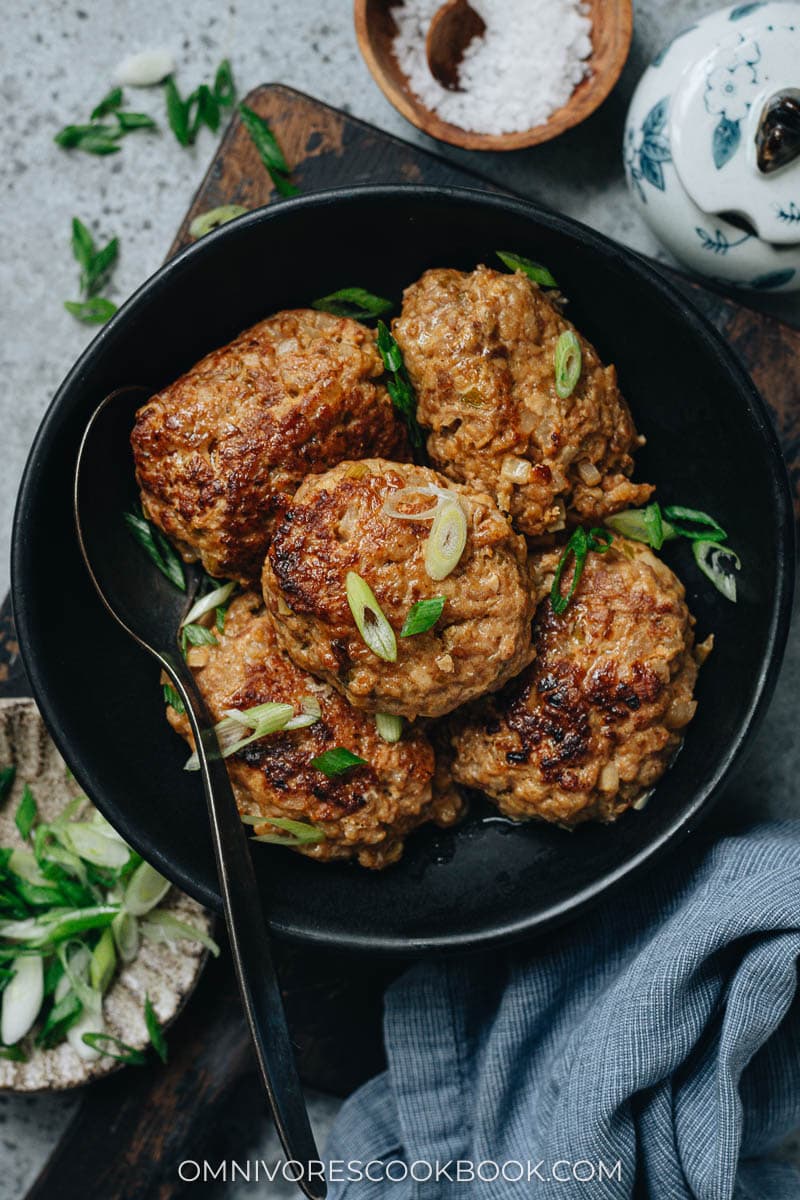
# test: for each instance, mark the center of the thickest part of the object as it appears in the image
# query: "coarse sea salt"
(528, 63)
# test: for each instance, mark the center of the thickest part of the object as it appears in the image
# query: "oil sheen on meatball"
(220, 452)
(366, 813)
(591, 726)
(338, 523)
(479, 348)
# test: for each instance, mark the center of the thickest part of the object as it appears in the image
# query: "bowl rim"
(677, 829)
(596, 90)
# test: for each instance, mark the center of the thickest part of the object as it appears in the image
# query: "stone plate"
(166, 973)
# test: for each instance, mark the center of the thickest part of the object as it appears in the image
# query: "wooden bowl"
(612, 28)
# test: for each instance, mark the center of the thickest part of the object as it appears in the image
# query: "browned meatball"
(221, 451)
(594, 722)
(480, 349)
(366, 813)
(338, 524)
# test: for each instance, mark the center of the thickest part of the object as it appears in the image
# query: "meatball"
(591, 726)
(220, 452)
(366, 813)
(479, 349)
(338, 523)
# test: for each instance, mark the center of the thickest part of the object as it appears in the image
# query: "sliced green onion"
(389, 726)
(205, 222)
(310, 713)
(535, 271)
(22, 998)
(263, 720)
(422, 616)
(63, 925)
(577, 548)
(75, 958)
(157, 548)
(641, 525)
(368, 616)
(196, 635)
(26, 866)
(108, 1045)
(269, 150)
(567, 363)
(399, 386)
(158, 925)
(146, 888)
(154, 1030)
(62, 1016)
(354, 302)
(446, 541)
(391, 505)
(337, 761)
(103, 963)
(7, 776)
(26, 813)
(718, 563)
(300, 833)
(93, 846)
(125, 929)
(207, 602)
(693, 524)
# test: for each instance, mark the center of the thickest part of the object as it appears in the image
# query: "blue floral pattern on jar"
(730, 90)
(647, 149)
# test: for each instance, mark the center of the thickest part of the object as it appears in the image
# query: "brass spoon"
(451, 30)
(150, 609)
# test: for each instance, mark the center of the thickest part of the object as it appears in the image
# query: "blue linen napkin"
(660, 1032)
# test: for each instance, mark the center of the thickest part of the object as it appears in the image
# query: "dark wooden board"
(133, 1128)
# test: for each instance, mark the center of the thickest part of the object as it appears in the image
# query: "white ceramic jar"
(712, 146)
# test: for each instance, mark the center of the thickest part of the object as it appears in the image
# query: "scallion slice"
(162, 926)
(215, 217)
(86, 841)
(643, 525)
(108, 1045)
(154, 1030)
(262, 720)
(389, 726)
(535, 271)
(369, 618)
(567, 363)
(208, 602)
(422, 616)
(22, 998)
(337, 761)
(157, 548)
(577, 548)
(354, 302)
(26, 813)
(719, 564)
(103, 962)
(446, 541)
(695, 525)
(296, 833)
(146, 888)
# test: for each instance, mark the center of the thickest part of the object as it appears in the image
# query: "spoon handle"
(250, 945)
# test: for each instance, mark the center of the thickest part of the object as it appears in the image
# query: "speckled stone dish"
(166, 973)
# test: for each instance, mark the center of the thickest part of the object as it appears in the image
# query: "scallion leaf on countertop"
(95, 266)
(354, 302)
(99, 137)
(269, 150)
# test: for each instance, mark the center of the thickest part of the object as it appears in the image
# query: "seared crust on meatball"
(220, 452)
(365, 813)
(591, 726)
(336, 524)
(479, 348)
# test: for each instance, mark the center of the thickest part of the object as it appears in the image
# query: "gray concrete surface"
(56, 59)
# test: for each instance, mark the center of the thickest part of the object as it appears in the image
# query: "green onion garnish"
(269, 150)
(157, 548)
(647, 525)
(399, 386)
(535, 271)
(422, 616)
(196, 635)
(103, 962)
(205, 222)
(204, 605)
(239, 728)
(154, 1030)
(446, 541)
(353, 302)
(337, 761)
(95, 266)
(577, 548)
(26, 813)
(22, 998)
(368, 616)
(389, 726)
(100, 138)
(296, 833)
(693, 524)
(224, 88)
(567, 363)
(110, 1046)
(172, 698)
(718, 563)
(95, 311)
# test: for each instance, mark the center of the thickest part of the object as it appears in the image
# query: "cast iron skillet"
(710, 446)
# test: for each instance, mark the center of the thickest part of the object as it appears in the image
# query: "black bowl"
(710, 446)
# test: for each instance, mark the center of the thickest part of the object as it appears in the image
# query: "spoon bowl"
(150, 609)
(612, 29)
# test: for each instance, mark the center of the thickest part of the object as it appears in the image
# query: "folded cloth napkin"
(651, 1049)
